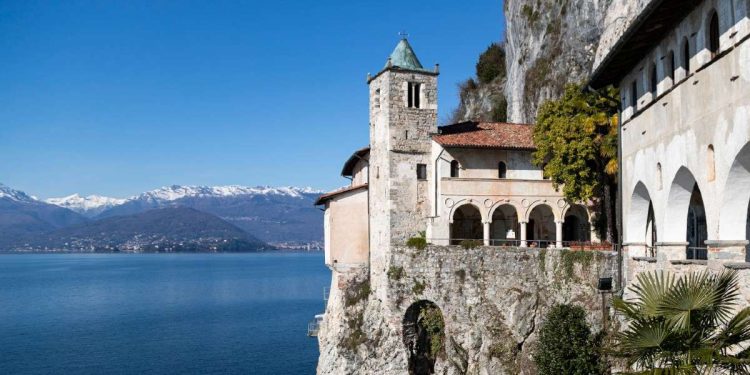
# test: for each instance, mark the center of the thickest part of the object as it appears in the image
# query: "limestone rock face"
(492, 301)
(549, 44)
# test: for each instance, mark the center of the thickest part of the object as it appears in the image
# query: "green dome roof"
(404, 57)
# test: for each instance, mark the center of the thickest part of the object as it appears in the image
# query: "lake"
(159, 313)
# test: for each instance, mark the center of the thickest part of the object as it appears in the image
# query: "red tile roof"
(486, 135)
(328, 196)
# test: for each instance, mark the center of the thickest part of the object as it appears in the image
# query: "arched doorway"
(504, 230)
(576, 226)
(467, 224)
(541, 226)
(735, 208)
(424, 336)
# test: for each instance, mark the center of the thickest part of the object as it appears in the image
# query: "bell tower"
(403, 117)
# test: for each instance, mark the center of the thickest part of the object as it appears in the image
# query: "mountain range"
(279, 217)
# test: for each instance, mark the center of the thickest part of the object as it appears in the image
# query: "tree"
(566, 345)
(491, 63)
(576, 140)
(685, 325)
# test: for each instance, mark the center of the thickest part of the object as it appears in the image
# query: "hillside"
(176, 229)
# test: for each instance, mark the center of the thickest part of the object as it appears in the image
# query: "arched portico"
(686, 217)
(541, 227)
(466, 224)
(734, 217)
(576, 225)
(504, 229)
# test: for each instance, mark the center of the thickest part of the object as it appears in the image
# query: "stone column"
(486, 233)
(559, 234)
(522, 225)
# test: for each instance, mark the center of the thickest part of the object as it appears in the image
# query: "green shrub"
(566, 345)
(395, 273)
(431, 319)
(491, 63)
(471, 244)
(418, 242)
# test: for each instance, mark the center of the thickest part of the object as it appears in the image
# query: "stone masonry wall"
(493, 300)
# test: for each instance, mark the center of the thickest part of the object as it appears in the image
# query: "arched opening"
(541, 227)
(634, 95)
(697, 230)
(686, 216)
(670, 66)
(424, 336)
(504, 230)
(713, 34)
(502, 170)
(686, 56)
(454, 168)
(735, 208)
(641, 221)
(711, 163)
(576, 226)
(467, 224)
(653, 80)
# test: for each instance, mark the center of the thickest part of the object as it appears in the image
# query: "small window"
(421, 171)
(454, 168)
(653, 80)
(376, 99)
(634, 95)
(502, 170)
(414, 95)
(671, 66)
(713, 35)
(686, 56)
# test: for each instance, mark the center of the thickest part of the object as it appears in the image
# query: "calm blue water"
(159, 314)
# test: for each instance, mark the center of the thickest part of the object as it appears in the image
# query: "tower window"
(414, 95)
(454, 168)
(713, 35)
(502, 170)
(421, 171)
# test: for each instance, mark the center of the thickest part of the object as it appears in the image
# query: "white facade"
(685, 134)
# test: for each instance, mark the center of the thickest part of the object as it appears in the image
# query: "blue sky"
(116, 98)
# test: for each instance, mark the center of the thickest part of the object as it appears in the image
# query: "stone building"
(468, 181)
(683, 69)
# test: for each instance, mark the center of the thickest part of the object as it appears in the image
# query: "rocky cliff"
(549, 43)
(491, 300)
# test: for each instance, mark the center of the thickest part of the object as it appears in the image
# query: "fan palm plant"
(685, 325)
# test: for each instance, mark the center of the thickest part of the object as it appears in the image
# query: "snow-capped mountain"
(175, 192)
(15, 195)
(89, 206)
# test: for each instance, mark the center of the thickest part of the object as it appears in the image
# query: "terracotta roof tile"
(487, 135)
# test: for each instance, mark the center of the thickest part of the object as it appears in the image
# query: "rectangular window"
(634, 95)
(421, 171)
(413, 94)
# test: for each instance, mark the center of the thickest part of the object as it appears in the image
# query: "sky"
(117, 98)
